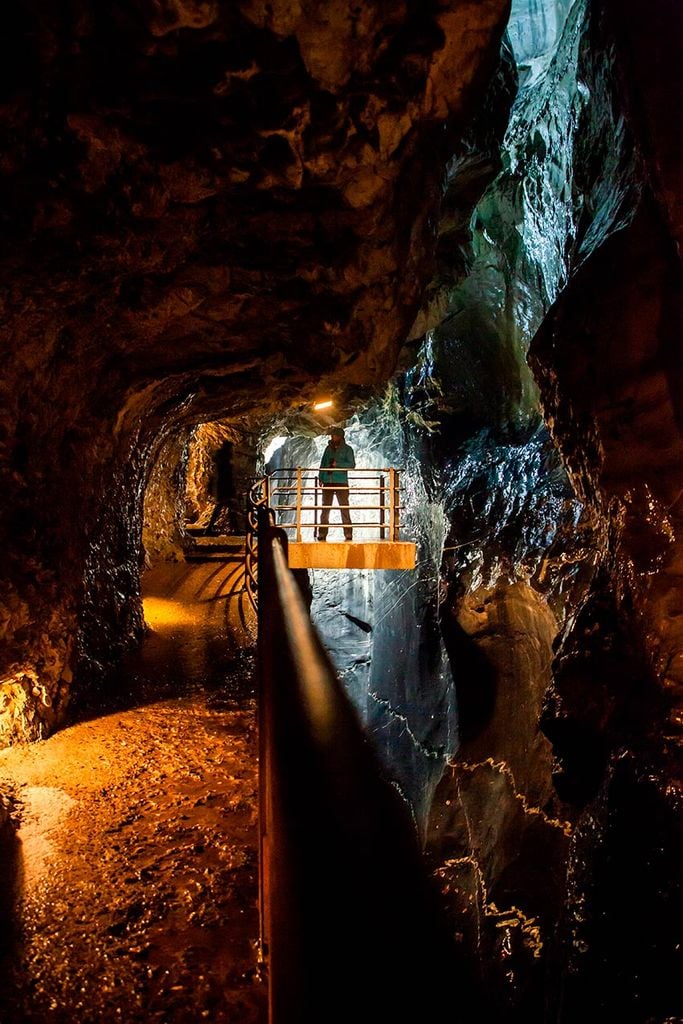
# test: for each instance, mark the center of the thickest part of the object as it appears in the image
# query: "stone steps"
(228, 548)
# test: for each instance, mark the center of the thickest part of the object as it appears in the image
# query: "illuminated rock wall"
(163, 531)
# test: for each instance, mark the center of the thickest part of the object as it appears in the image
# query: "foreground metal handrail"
(351, 929)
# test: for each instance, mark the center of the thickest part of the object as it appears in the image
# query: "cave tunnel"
(461, 224)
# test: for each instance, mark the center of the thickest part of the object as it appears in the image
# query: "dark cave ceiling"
(227, 197)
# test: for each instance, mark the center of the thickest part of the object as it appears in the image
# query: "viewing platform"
(374, 504)
(378, 554)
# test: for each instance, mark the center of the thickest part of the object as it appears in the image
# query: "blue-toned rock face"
(381, 627)
(488, 499)
(535, 28)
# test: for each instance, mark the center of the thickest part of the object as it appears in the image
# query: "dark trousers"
(331, 491)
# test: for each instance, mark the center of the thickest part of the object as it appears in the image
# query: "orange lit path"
(135, 866)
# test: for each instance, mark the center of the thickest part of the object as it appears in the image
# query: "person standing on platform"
(338, 457)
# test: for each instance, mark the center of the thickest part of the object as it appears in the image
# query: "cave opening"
(463, 226)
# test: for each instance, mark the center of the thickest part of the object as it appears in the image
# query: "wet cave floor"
(134, 866)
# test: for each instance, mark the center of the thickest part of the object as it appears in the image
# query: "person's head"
(336, 436)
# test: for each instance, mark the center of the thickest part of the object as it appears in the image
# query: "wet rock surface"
(163, 533)
(495, 839)
(135, 857)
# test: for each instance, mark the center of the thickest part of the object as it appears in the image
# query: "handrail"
(288, 491)
(351, 928)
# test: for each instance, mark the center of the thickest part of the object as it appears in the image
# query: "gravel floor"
(134, 864)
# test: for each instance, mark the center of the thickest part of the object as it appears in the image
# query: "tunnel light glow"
(326, 404)
(273, 447)
(16, 707)
(163, 614)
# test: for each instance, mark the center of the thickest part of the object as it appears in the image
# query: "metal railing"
(296, 497)
(258, 500)
(351, 929)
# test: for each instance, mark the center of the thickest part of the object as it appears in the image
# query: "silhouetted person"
(223, 489)
(334, 480)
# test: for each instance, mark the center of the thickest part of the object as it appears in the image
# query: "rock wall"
(559, 603)
(163, 528)
(207, 462)
(381, 627)
(183, 488)
(610, 376)
(608, 368)
(487, 497)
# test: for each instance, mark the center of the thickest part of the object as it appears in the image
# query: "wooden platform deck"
(377, 554)
(380, 554)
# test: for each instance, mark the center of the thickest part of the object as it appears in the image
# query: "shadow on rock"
(474, 676)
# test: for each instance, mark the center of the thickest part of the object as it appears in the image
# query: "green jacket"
(342, 458)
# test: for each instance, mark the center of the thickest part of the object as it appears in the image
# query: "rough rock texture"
(501, 642)
(205, 207)
(609, 362)
(381, 627)
(485, 492)
(501, 870)
(613, 398)
(203, 489)
(164, 508)
(498, 848)
(205, 440)
(183, 488)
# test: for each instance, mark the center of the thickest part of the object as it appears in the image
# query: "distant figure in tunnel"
(334, 480)
(222, 488)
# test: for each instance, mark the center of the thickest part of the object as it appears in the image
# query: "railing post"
(268, 651)
(298, 503)
(315, 509)
(266, 597)
(382, 510)
(393, 505)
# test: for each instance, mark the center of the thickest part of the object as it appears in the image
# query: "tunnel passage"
(199, 486)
